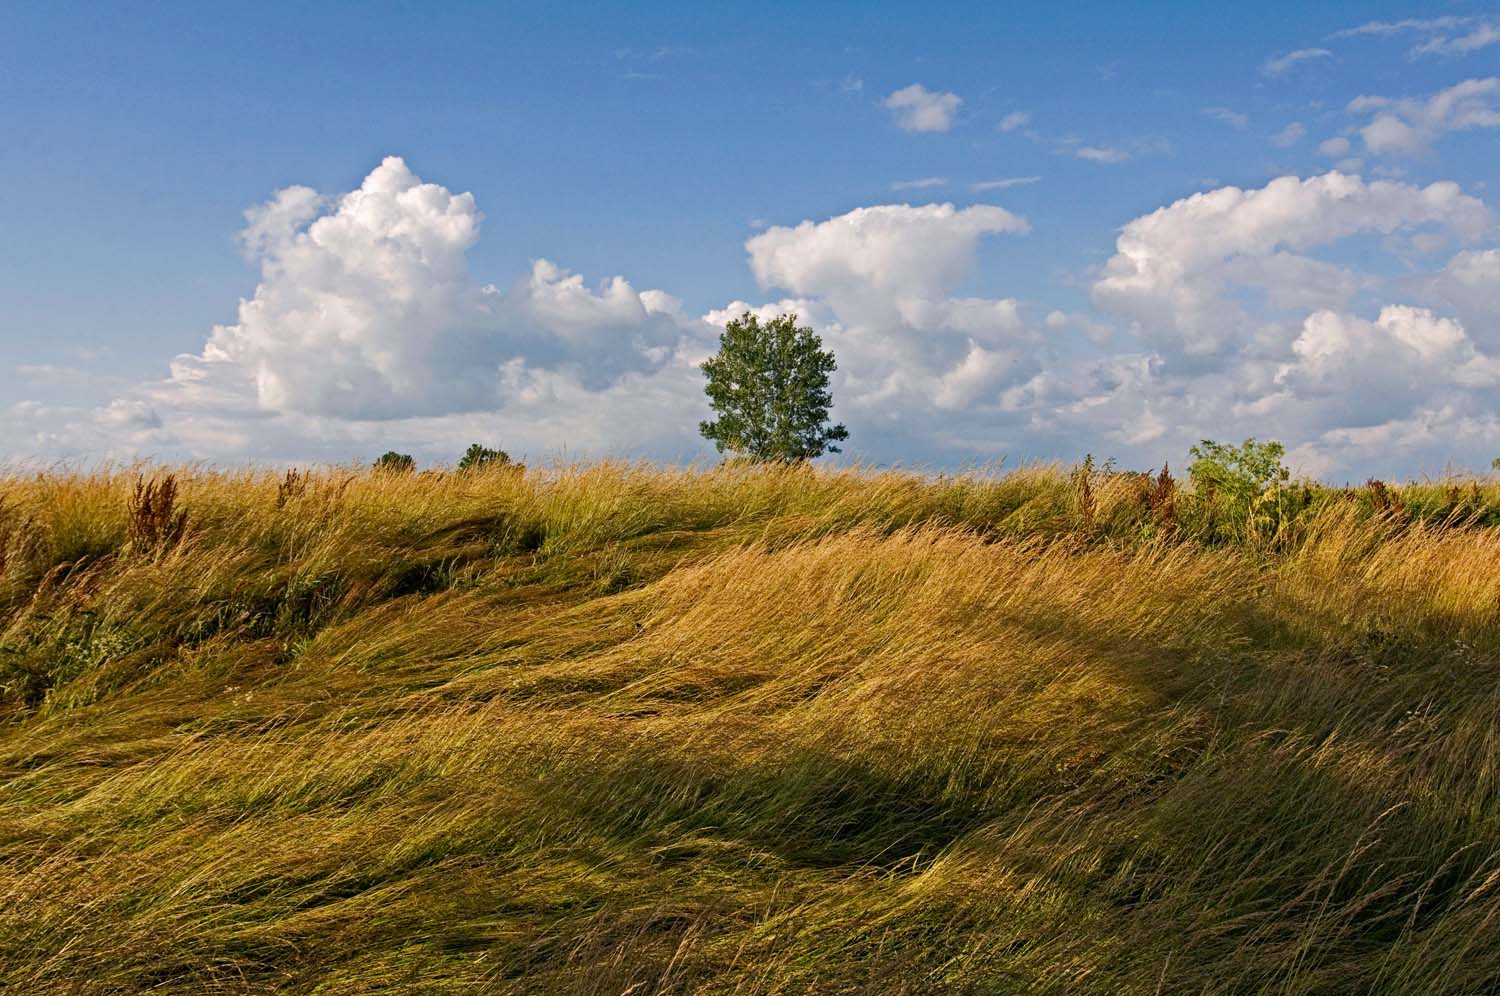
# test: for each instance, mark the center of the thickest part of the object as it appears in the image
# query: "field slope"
(617, 729)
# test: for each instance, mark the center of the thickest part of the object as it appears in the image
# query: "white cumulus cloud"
(366, 308)
(894, 248)
(918, 109)
(878, 283)
(1171, 268)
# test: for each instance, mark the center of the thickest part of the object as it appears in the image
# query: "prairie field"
(620, 728)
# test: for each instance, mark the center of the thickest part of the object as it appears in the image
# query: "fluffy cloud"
(918, 109)
(1470, 284)
(366, 308)
(366, 311)
(878, 283)
(1245, 328)
(1389, 392)
(1410, 126)
(367, 326)
(1404, 358)
(895, 249)
(1173, 268)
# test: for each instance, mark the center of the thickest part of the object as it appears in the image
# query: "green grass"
(622, 729)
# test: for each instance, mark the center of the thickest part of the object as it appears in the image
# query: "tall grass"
(618, 728)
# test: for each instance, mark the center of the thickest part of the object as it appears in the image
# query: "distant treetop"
(478, 456)
(396, 463)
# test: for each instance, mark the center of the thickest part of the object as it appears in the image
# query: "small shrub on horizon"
(1246, 483)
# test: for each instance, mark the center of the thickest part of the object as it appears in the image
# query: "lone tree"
(769, 386)
(391, 462)
(479, 456)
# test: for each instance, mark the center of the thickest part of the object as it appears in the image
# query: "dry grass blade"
(157, 523)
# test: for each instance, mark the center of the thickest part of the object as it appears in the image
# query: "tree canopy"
(768, 385)
(478, 456)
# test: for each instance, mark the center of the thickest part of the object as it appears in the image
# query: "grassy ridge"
(620, 729)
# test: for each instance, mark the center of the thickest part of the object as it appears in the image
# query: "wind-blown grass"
(617, 728)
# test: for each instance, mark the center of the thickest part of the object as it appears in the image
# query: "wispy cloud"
(1281, 63)
(50, 373)
(1230, 117)
(1111, 154)
(1394, 27)
(1479, 36)
(1290, 135)
(1334, 147)
(658, 54)
(1101, 154)
(1445, 36)
(925, 183)
(1002, 184)
(1014, 120)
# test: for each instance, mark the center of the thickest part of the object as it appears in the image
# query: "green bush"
(1243, 490)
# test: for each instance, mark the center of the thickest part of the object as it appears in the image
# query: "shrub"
(1384, 501)
(1245, 483)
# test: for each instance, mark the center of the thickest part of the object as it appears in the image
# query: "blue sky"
(756, 156)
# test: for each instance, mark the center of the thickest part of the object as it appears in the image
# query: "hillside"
(618, 729)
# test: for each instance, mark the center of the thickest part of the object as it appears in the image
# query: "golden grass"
(621, 729)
